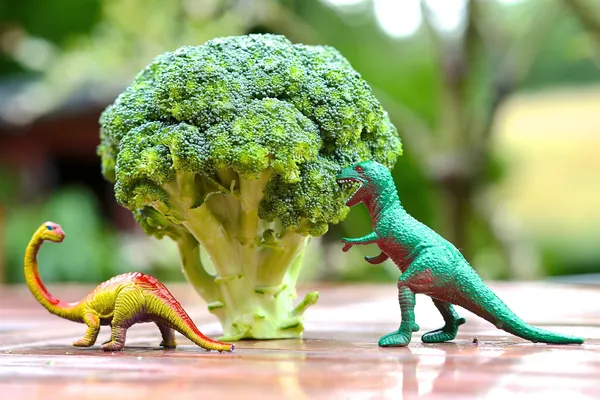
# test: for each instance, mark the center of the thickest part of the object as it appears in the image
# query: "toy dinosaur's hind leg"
(168, 336)
(93, 323)
(403, 335)
(129, 306)
(450, 329)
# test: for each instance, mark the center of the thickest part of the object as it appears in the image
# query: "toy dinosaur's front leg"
(93, 323)
(128, 310)
(403, 335)
(450, 329)
(367, 239)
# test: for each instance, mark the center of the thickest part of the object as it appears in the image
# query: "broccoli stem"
(291, 248)
(189, 252)
(253, 290)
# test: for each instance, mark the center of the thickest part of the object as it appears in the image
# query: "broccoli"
(231, 149)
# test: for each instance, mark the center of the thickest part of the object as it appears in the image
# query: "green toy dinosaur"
(120, 302)
(430, 265)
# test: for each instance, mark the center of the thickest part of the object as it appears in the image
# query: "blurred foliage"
(579, 256)
(57, 21)
(89, 252)
(442, 89)
(443, 92)
(9, 185)
(92, 250)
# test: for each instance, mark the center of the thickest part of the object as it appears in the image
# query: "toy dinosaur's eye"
(49, 227)
(359, 169)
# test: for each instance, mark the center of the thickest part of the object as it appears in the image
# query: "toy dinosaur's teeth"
(353, 193)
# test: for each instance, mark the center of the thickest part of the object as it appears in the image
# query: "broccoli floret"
(231, 149)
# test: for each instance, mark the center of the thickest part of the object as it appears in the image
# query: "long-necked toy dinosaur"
(429, 264)
(120, 302)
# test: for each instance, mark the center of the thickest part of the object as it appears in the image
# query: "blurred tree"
(588, 14)
(443, 90)
(127, 35)
(8, 191)
(52, 23)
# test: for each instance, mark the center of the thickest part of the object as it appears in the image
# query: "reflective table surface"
(338, 357)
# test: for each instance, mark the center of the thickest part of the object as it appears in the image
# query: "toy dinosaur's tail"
(474, 295)
(179, 320)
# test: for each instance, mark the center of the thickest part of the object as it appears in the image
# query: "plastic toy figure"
(429, 264)
(120, 302)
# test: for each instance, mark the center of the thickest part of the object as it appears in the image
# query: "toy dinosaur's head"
(51, 231)
(371, 176)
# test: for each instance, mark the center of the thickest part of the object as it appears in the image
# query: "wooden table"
(338, 358)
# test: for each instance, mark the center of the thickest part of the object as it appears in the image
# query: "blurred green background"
(497, 102)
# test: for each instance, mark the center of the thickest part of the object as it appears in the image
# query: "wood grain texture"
(338, 358)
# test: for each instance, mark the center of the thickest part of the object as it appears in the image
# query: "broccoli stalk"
(231, 149)
(253, 273)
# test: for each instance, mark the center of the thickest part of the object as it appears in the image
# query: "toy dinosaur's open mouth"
(350, 182)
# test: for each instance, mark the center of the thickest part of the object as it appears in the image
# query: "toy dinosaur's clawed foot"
(444, 334)
(347, 245)
(395, 339)
(113, 346)
(83, 343)
(169, 345)
(168, 336)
